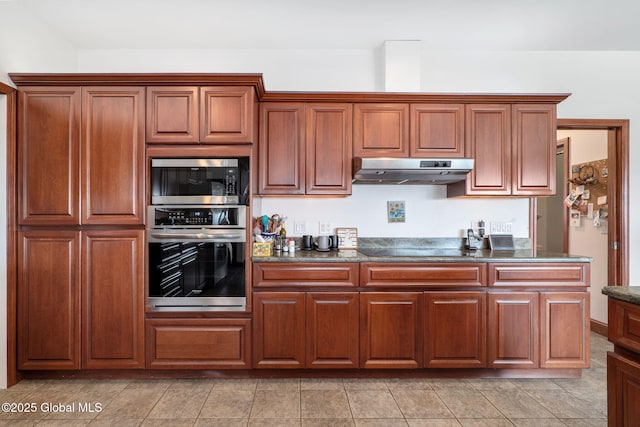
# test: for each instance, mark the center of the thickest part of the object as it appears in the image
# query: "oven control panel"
(197, 216)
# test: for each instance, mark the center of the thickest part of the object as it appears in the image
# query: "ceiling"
(337, 24)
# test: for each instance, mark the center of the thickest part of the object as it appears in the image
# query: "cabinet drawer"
(430, 275)
(539, 274)
(624, 324)
(269, 275)
(198, 343)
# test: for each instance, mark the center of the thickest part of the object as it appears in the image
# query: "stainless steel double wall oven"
(197, 234)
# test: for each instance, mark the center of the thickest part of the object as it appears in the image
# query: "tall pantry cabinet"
(81, 217)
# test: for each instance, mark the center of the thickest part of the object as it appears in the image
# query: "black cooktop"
(414, 252)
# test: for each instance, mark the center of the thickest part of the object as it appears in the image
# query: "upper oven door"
(220, 181)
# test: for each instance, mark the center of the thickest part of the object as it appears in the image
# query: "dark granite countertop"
(630, 294)
(409, 255)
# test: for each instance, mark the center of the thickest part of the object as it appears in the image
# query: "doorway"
(616, 251)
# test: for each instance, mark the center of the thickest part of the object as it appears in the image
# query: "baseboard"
(599, 328)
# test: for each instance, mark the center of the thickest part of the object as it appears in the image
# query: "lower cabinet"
(455, 329)
(513, 332)
(564, 330)
(57, 329)
(305, 330)
(390, 329)
(198, 343)
(623, 390)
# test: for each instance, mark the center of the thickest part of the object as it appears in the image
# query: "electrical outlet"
(299, 228)
(501, 227)
(324, 227)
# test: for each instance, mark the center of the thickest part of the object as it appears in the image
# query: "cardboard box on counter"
(262, 249)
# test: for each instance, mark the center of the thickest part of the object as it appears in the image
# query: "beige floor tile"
(433, 422)
(565, 405)
(64, 423)
(551, 422)
(276, 404)
(498, 422)
(221, 422)
(421, 404)
(111, 385)
(321, 384)
(593, 422)
(535, 384)
(135, 403)
(365, 384)
(168, 422)
(228, 404)
(457, 383)
(292, 384)
(197, 385)
(516, 404)
(381, 422)
(267, 422)
(409, 383)
(180, 403)
(328, 422)
(373, 404)
(468, 404)
(236, 384)
(324, 404)
(121, 422)
(149, 384)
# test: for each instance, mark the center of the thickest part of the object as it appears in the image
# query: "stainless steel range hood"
(387, 170)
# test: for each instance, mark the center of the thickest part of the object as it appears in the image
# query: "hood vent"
(387, 170)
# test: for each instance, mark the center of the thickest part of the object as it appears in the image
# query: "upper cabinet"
(305, 148)
(93, 169)
(437, 130)
(513, 146)
(209, 115)
(381, 130)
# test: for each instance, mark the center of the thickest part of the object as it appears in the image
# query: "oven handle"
(214, 237)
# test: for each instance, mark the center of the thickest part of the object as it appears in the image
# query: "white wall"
(587, 146)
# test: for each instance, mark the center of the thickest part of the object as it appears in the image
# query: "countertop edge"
(630, 294)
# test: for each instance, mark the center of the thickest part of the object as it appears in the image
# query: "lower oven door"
(200, 270)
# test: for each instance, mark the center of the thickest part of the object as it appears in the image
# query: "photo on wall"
(395, 211)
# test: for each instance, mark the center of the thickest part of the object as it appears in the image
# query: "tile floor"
(317, 402)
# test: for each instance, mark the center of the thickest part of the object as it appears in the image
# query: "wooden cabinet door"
(328, 148)
(49, 300)
(564, 329)
(513, 337)
(49, 155)
(488, 142)
(226, 115)
(113, 299)
(381, 130)
(332, 330)
(113, 155)
(534, 149)
(623, 390)
(198, 343)
(455, 330)
(281, 155)
(172, 115)
(391, 329)
(437, 130)
(278, 330)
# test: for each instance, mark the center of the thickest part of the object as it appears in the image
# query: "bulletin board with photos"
(588, 192)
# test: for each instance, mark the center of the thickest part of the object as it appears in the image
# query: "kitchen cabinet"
(513, 146)
(192, 115)
(513, 334)
(305, 148)
(49, 185)
(380, 130)
(437, 130)
(73, 297)
(422, 275)
(623, 363)
(564, 329)
(49, 300)
(172, 115)
(390, 329)
(93, 172)
(278, 330)
(455, 329)
(113, 299)
(198, 343)
(112, 151)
